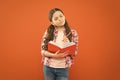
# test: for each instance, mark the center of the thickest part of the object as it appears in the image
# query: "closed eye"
(61, 16)
(55, 18)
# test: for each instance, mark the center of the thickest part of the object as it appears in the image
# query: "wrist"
(53, 55)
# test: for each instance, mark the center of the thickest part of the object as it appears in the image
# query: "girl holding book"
(56, 65)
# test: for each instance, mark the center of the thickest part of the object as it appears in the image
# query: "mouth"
(61, 22)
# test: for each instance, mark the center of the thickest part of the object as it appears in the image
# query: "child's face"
(58, 19)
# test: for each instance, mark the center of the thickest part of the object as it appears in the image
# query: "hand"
(65, 39)
(60, 55)
(72, 56)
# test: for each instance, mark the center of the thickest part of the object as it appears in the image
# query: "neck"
(60, 27)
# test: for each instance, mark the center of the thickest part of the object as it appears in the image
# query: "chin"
(61, 25)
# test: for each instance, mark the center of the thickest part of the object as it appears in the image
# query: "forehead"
(57, 13)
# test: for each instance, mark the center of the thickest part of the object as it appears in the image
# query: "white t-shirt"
(58, 63)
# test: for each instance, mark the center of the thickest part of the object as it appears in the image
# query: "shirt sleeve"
(42, 42)
(75, 39)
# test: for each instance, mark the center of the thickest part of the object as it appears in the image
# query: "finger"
(65, 54)
(64, 38)
(67, 51)
(57, 52)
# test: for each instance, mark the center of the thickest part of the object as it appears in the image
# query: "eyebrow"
(58, 15)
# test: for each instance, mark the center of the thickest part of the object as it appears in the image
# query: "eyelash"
(57, 18)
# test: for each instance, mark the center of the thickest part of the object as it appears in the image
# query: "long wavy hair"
(50, 29)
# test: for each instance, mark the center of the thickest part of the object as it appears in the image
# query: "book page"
(62, 45)
(68, 44)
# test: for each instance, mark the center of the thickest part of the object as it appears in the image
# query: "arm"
(46, 53)
(75, 39)
(55, 55)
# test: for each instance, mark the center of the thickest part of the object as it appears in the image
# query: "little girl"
(56, 64)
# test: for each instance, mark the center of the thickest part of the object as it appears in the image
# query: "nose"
(59, 19)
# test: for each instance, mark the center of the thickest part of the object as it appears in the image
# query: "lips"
(62, 22)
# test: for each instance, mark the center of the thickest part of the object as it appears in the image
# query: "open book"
(68, 47)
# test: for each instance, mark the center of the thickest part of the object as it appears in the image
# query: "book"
(68, 47)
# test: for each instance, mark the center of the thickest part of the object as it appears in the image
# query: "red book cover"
(68, 47)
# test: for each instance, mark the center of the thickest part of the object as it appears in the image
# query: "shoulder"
(45, 33)
(74, 36)
(74, 32)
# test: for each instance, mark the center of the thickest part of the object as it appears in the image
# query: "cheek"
(54, 23)
(64, 18)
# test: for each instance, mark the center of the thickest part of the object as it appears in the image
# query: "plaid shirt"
(68, 59)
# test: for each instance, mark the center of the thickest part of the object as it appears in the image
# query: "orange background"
(23, 22)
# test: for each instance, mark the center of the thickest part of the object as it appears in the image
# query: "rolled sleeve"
(42, 42)
(75, 39)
